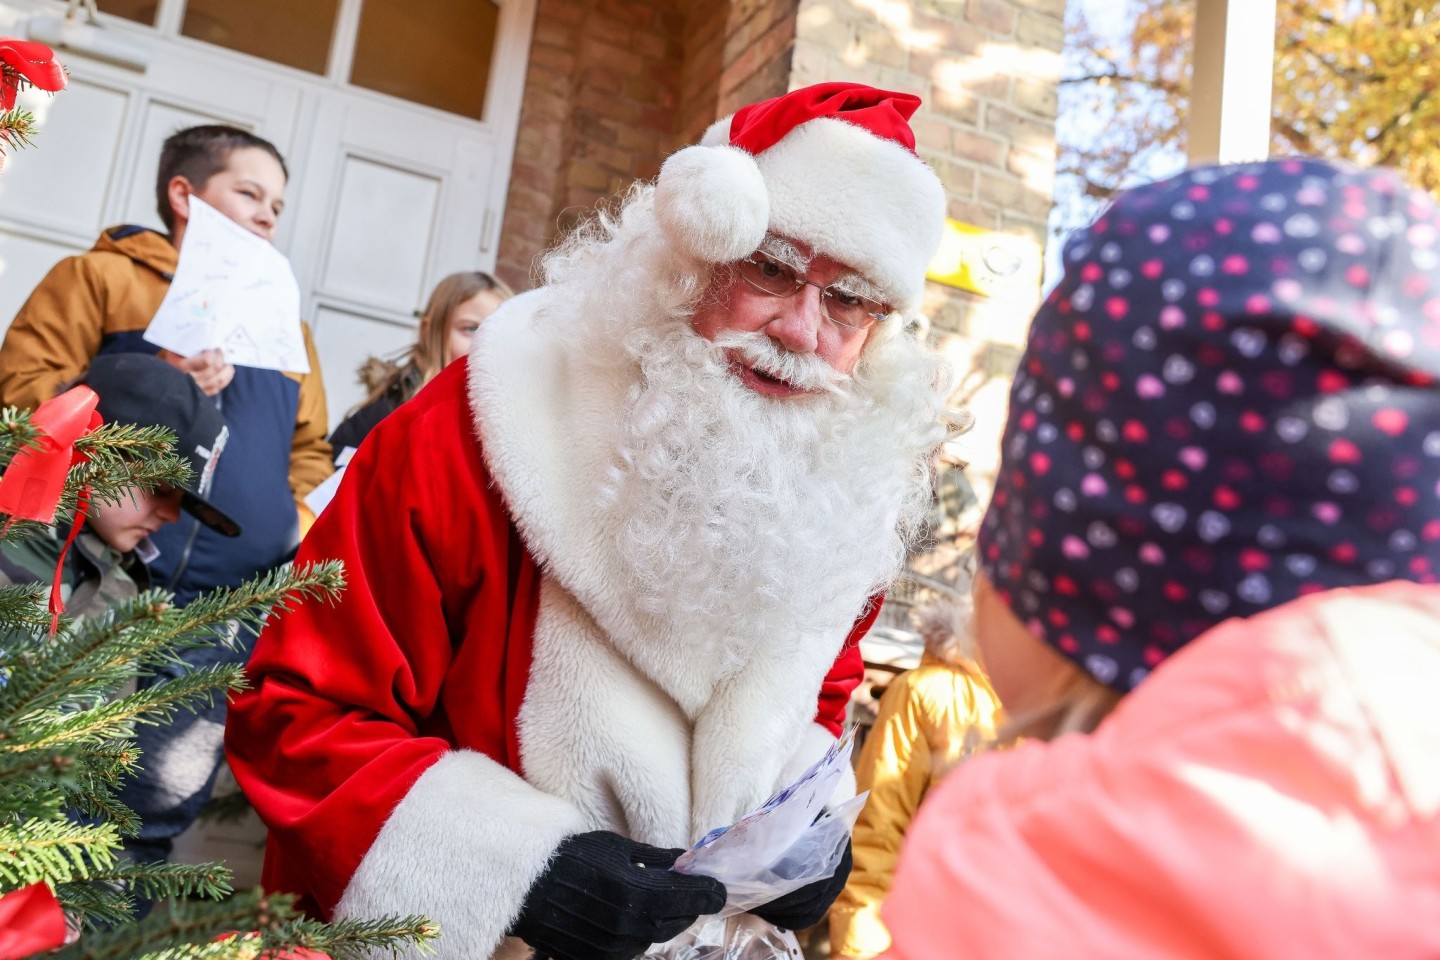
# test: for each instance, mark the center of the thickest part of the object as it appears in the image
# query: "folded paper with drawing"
(232, 291)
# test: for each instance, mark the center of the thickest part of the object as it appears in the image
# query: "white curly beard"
(742, 519)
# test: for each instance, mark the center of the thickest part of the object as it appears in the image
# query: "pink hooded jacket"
(1272, 791)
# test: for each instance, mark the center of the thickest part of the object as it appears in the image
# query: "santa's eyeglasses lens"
(777, 279)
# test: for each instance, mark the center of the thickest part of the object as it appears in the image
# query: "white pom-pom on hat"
(712, 202)
(832, 165)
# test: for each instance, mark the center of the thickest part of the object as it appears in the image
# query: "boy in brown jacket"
(100, 302)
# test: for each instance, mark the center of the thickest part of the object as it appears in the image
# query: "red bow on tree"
(25, 62)
(32, 484)
(31, 922)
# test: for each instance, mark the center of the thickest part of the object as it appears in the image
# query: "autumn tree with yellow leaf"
(1355, 80)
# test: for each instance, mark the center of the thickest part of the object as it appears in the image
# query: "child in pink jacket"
(1208, 593)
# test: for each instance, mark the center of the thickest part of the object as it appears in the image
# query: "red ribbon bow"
(33, 61)
(31, 486)
(31, 921)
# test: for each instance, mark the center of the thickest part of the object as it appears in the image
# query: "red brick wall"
(599, 111)
(613, 87)
(988, 71)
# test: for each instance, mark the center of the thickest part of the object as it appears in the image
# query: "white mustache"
(806, 371)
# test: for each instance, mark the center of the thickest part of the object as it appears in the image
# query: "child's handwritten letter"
(234, 291)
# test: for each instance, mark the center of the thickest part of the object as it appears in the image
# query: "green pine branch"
(22, 605)
(116, 719)
(90, 661)
(58, 851)
(96, 905)
(188, 929)
(155, 881)
(276, 592)
(16, 432)
(17, 129)
(97, 801)
(121, 458)
(36, 783)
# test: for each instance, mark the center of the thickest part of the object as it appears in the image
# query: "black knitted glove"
(606, 897)
(806, 907)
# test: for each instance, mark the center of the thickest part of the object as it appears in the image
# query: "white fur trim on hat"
(860, 199)
(712, 202)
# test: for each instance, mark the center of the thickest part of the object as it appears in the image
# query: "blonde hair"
(422, 361)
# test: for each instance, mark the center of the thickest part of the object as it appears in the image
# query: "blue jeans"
(179, 758)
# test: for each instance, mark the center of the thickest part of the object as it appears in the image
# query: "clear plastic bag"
(780, 847)
(813, 856)
(739, 937)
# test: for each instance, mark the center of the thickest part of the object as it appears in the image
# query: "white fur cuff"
(463, 847)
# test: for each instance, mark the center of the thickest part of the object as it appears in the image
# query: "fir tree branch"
(155, 881)
(22, 605)
(99, 803)
(117, 718)
(17, 129)
(88, 662)
(91, 660)
(16, 432)
(97, 905)
(57, 851)
(34, 784)
(266, 922)
(275, 592)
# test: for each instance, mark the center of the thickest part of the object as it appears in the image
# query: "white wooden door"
(385, 196)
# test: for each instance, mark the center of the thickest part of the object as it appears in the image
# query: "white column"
(1231, 89)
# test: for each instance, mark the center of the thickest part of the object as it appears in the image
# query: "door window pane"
(141, 11)
(436, 53)
(281, 31)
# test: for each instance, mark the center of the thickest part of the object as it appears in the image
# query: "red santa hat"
(832, 165)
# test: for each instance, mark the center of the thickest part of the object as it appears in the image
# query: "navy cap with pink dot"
(1229, 401)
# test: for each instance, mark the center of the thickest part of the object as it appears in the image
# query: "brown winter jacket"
(111, 291)
(101, 302)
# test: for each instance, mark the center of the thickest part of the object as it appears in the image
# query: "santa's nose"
(796, 324)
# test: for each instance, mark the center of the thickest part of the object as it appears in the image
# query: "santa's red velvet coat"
(483, 688)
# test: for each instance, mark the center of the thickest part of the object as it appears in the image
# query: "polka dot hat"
(1228, 402)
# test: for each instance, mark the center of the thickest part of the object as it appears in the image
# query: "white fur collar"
(545, 425)
(547, 430)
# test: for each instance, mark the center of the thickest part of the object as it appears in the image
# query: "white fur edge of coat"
(466, 810)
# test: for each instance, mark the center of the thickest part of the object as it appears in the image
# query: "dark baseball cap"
(143, 390)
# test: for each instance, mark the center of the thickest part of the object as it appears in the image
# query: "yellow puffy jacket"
(929, 718)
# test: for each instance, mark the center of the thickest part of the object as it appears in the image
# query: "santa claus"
(607, 575)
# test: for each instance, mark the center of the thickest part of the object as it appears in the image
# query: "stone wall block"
(996, 17)
(1040, 30)
(1022, 130)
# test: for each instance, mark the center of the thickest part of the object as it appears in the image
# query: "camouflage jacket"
(96, 576)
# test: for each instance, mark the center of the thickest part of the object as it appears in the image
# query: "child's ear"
(178, 192)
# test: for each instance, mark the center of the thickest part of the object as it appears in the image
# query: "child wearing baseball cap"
(107, 563)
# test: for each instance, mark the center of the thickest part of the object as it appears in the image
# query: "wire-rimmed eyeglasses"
(771, 276)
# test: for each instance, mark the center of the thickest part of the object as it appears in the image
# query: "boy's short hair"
(197, 154)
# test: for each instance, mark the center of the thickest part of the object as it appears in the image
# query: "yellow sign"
(985, 262)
